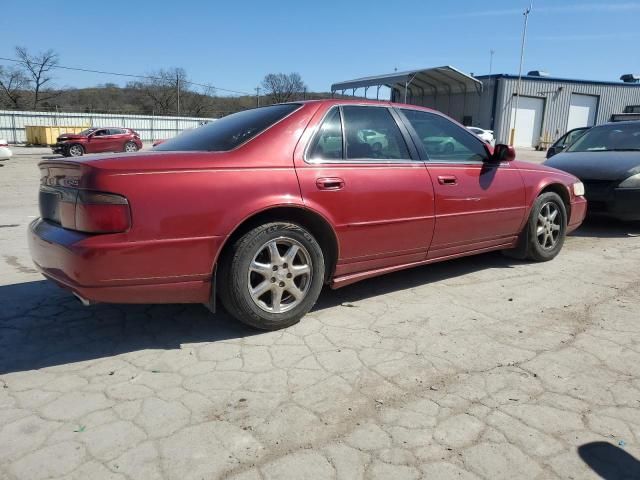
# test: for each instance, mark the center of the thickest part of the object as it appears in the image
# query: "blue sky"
(234, 44)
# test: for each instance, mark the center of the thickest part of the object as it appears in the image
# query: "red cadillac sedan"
(262, 208)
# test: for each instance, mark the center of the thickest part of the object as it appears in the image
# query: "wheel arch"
(311, 220)
(563, 191)
(73, 144)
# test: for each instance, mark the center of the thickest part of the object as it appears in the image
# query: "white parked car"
(5, 153)
(486, 135)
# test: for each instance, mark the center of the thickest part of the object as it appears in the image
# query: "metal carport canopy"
(447, 79)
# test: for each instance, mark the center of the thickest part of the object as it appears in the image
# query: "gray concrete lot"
(479, 368)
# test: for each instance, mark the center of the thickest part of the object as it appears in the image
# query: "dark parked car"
(265, 206)
(565, 140)
(98, 140)
(607, 160)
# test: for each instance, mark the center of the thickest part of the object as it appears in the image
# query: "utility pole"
(257, 96)
(491, 52)
(178, 92)
(524, 37)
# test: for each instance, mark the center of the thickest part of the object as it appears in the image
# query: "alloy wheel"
(279, 275)
(75, 151)
(130, 147)
(548, 226)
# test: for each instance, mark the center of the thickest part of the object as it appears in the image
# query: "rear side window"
(328, 142)
(371, 132)
(228, 132)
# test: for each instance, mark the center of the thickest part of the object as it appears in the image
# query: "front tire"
(547, 227)
(75, 150)
(272, 276)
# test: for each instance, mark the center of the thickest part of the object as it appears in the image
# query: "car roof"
(623, 122)
(366, 101)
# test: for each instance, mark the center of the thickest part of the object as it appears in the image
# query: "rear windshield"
(228, 132)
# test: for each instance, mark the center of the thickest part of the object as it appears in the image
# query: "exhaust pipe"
(83, 300)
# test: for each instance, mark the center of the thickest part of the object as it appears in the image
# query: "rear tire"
(272, 276)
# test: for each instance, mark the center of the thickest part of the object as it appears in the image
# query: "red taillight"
(102, 213)
(95, 212)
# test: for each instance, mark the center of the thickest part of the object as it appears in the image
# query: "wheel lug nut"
(289, 275)
(281, 284)
(275, 267)
(273, 279)
(284, 265)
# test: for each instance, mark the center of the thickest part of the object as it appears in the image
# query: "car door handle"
(447, 180)
(330, 183)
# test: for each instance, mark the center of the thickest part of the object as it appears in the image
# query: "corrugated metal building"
(547, 106)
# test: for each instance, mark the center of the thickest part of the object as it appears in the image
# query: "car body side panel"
(183, 207)
(383, 214)
(485, 206)
(539, 178)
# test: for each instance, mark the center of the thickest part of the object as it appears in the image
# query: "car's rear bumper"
(578, 212)
(108, 268)
(620, 203)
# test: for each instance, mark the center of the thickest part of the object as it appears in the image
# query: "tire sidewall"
(75, 145)
(130, 143)
(237, 277)
(536, 252)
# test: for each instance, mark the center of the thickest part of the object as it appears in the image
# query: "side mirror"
(503, 153)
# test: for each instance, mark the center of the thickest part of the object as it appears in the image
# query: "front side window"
(229, 132)
(443, 139)
(621, 137)
(371, 132)
(573, 136)
(101, 133)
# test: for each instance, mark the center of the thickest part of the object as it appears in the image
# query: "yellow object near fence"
(43, 135)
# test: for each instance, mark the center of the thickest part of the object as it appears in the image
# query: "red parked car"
(264, 207)
(97, 140)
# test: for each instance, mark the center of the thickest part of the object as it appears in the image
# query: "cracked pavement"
(479, 368)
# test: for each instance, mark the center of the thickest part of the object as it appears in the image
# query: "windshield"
(622, 137)
(228, 132)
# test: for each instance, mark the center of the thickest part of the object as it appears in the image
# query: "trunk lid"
(59, 184)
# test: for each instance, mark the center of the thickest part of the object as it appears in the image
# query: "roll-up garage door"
(582, 111)
(530, 111)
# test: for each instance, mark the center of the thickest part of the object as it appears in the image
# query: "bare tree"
(164, 88)
(38, 69)
(282, 87)
(13, 84)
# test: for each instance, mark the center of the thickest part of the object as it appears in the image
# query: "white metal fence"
(150, 127)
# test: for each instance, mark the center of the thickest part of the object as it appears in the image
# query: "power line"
(129, 75)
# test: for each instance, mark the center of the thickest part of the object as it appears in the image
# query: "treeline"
(28, 84)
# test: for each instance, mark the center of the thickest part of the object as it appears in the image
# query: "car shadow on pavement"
(609, 461)
(42, 325)
(602, 227)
